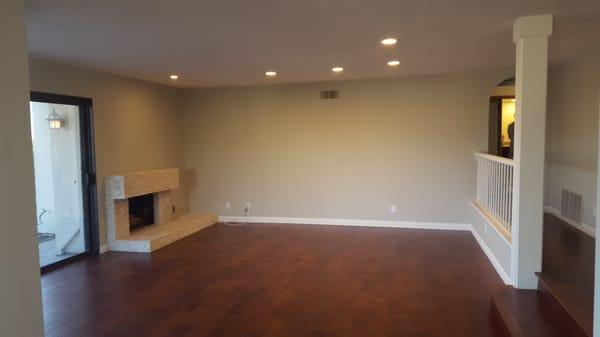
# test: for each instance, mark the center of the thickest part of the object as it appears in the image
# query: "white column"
(530, 35)
(20, 295)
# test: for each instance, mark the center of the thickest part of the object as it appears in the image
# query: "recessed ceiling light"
(271, 73)
(393, 63)
(337, 69)
(390, 41)
(174, 77)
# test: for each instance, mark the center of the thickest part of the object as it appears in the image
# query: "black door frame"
(88, 169)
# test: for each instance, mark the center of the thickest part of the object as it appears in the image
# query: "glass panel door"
(60, 181)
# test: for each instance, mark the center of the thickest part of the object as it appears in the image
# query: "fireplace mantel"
(134, 184)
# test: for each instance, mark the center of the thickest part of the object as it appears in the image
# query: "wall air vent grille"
(330, 94)
(572, 205)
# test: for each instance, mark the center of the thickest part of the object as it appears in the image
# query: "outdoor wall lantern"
(54, 120)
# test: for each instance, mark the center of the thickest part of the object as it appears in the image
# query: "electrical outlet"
(227, 205)
(393, 209)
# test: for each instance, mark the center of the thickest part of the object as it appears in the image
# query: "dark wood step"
(532, 313)
(568, 269)
(579, 307)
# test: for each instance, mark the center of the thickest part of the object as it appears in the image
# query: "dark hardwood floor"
(281, 280)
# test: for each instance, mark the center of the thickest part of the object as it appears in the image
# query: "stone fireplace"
(140, 216)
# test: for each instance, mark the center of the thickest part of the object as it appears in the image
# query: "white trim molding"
(103, 248)
(349, 222)
(490, 255)
(587, 229)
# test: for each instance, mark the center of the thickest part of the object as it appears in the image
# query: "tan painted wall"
(137, 124)
(572, 132)
(403, 141)
(20, 304)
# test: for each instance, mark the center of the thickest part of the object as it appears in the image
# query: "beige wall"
(403, 141)
(137, 124)
(20, 305)
(572, 137)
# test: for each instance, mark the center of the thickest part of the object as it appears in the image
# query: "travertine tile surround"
(120, 188)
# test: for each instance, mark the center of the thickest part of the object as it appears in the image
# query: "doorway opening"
(65, 177)
(502, 119)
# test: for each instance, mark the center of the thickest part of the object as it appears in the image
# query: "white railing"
(495, 188)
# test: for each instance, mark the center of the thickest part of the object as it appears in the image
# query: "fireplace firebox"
(141, 211)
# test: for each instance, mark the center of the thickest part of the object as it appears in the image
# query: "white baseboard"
(348, 222)
(490, 255)
(587, 229)
(103, 248)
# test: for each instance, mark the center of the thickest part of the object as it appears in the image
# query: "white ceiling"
(233, 42)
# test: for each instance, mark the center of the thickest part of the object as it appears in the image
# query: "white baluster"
(494, 187)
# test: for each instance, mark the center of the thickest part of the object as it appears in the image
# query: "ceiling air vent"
(330, 94)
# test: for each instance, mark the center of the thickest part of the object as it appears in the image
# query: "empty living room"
(310, 168)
